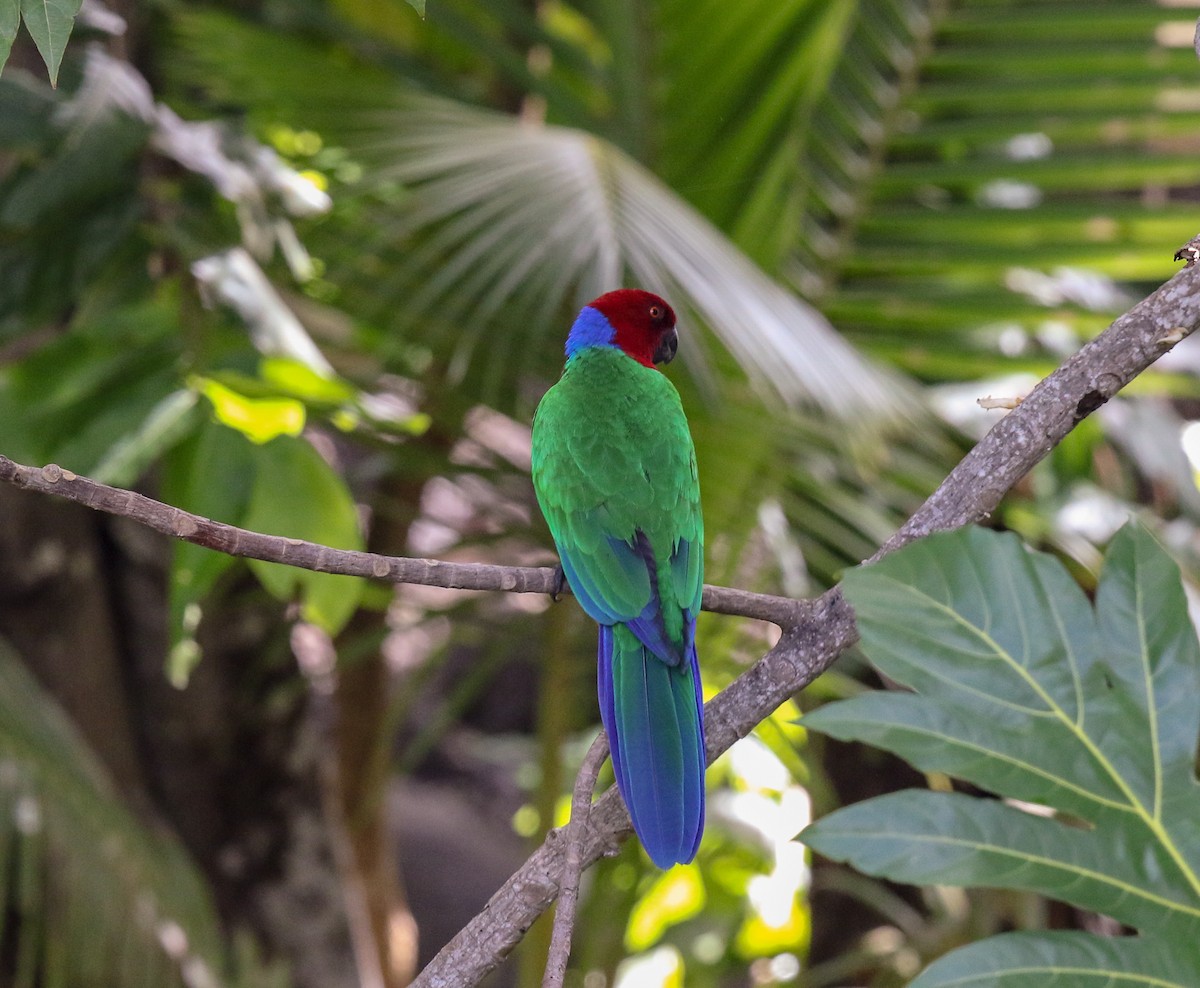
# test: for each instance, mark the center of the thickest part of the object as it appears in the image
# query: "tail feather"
(653, 715)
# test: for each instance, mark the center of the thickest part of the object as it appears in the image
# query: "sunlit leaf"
(259, 419)
(660, 968)
(758, 938)
(1024, 689)
(301, 381)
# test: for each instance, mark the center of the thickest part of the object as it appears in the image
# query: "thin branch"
(824, 627)
(815, 632)
(568, 894)
(233, 541)
(1084, 382)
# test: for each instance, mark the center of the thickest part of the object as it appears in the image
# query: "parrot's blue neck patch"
(590, 329)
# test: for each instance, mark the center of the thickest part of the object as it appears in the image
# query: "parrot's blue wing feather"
(638, 605)
(649, 629)
(649, 625)
(583, 586)
(606, 573)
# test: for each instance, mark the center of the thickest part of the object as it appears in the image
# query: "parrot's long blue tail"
(653, 714)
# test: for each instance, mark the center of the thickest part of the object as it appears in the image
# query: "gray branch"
(815, 632)
(824, 628)
(234, 541)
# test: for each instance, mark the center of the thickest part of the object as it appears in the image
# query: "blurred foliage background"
(306, 266)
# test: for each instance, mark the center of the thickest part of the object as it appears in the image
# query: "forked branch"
(815, 632)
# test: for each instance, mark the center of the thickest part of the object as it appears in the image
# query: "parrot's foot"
(560, 583)
(1189, 253)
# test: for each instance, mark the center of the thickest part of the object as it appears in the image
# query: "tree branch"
(815, 632)
(234, 541)
(568, 893)
(1084, 382)
(824, 627)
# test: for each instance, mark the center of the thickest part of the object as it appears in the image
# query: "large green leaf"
(48, 22)
(1067, 960)
(10, 20)
(298, 495)
(1024, 689)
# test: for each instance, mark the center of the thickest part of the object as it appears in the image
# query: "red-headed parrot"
(614, 469)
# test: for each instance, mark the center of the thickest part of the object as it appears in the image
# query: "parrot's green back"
(614, 469)
(614, 456)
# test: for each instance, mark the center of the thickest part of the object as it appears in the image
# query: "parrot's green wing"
(621, 496)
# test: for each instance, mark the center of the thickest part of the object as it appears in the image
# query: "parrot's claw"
(560, 583)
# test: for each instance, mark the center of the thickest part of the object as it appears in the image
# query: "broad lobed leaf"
(1079, 960)
(952, 839)
(1026, 690)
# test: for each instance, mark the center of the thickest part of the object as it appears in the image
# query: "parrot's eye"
(656, 312)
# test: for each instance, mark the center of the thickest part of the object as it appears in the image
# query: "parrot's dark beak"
(664, 353)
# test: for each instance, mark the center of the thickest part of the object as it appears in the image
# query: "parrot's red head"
(639, 323)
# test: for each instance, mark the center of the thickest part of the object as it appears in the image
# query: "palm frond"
(768, 117)
(501, 226)
(1045, 144)
(502, 211)
(90, 897)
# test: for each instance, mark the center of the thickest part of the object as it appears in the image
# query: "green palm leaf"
(773, 115)
(1024, 690)
(506, 225)
(503, 211)
(1041, 136)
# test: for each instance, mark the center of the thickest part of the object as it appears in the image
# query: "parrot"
(614, 471)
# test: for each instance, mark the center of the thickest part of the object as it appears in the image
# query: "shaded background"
(306, 267)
